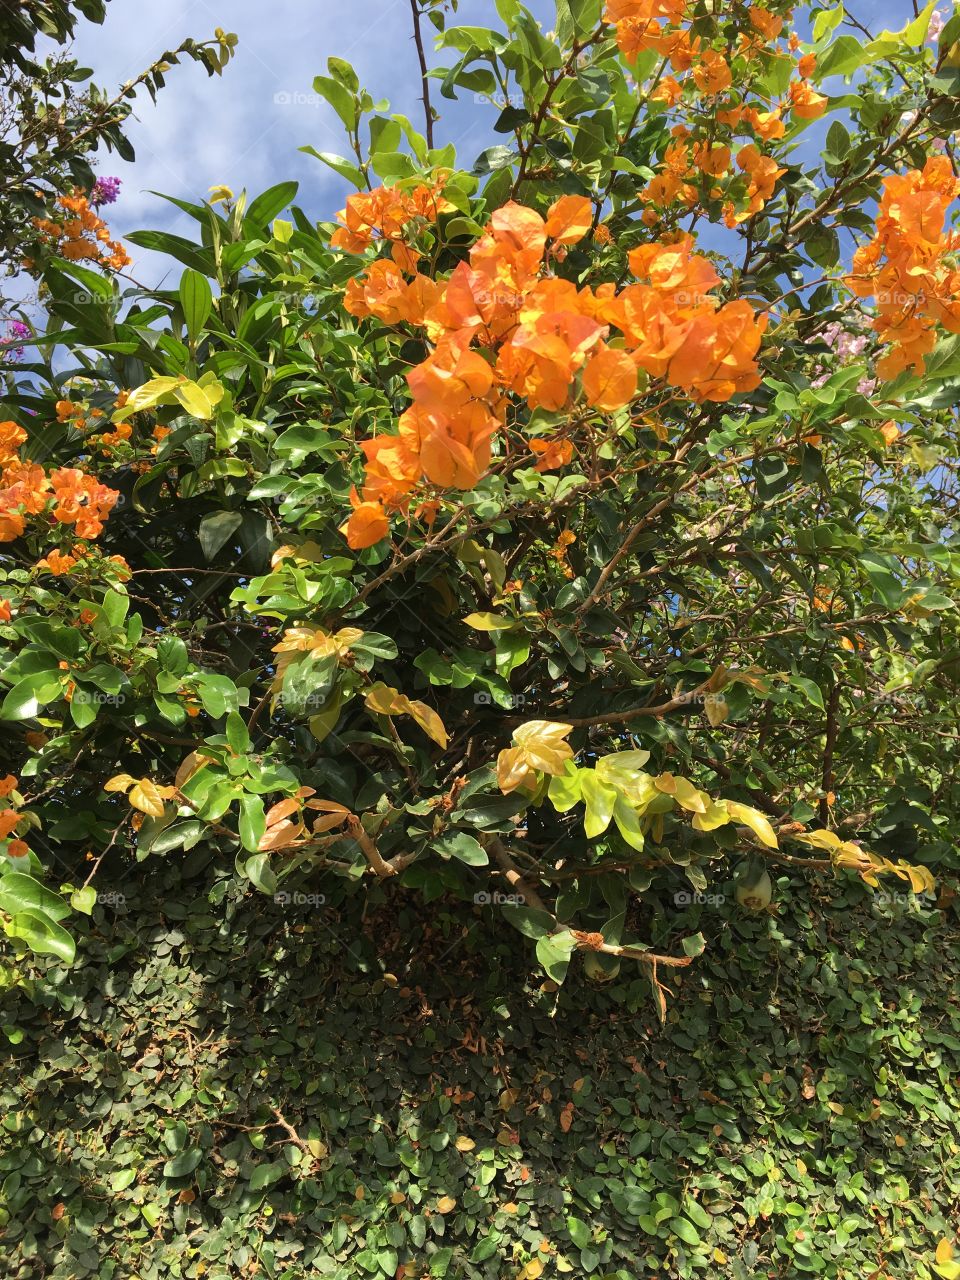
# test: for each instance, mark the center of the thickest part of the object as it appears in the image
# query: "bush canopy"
(550, 533)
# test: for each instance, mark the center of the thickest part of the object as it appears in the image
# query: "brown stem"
(369, 848)
(424, 79)
(826, 784)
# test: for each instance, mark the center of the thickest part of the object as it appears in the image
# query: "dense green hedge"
(797, 1116)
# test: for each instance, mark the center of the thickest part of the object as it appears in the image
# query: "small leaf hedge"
(227, 1086)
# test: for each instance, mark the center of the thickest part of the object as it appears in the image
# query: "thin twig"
(424, 78)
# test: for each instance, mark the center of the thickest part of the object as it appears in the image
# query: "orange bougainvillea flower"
(57, 563)
(5, 615)
(569, 219)
(805, 102)
(387, 212)
(18, 849)
(8, 784)
(907, 269)
(668, 90)
(12, 437)
(609, 379)
(81, 500)
(502, 326)
(551, 454)
(8, 821)
(765, 22)
(712, 73)
(368, 524)
(717, 359)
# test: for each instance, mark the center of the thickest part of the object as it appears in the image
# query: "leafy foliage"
(50, 126)
(319, 1096)
(508, 536)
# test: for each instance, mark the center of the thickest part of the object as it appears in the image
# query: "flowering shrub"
(556, 530)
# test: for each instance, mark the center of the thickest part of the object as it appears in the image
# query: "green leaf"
(216, 529)
(578, 1231)
(237, 735)
(694, 945)
(553, 952)
(530, 921)
(685, 1230)
(260, 874)
(269, 203)
(42, 935)
(463, 847)
(84, 900)
(183, 1165)
(266, 1175)
(196, 299)
(340, 98)
(21, 892)
(346, 168)
(253, 824)
(28, 695)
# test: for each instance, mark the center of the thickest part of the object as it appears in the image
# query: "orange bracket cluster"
(656, 25)
(904, 266)
(82, 235)
(26, 489)
(501, 324)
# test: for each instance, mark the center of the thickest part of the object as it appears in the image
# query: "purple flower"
(17, 332)
(105, 191)
(936, 25)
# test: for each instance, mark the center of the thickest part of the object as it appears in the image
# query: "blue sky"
(244, 128)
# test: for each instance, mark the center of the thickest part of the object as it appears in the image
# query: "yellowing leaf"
(716, 815)
(120, 782)
(755, 820)
(599, 800)
(446, 1204)
(386, 701)
(148, 797)
(429, 722)
(198, 398)
(542, 743)
(623, 768)
(716, 708)
(691, 797)
(820, 840)
(464, 1143)
(488, 622)
(944, 1251)
(538, 746)
(145, 397)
